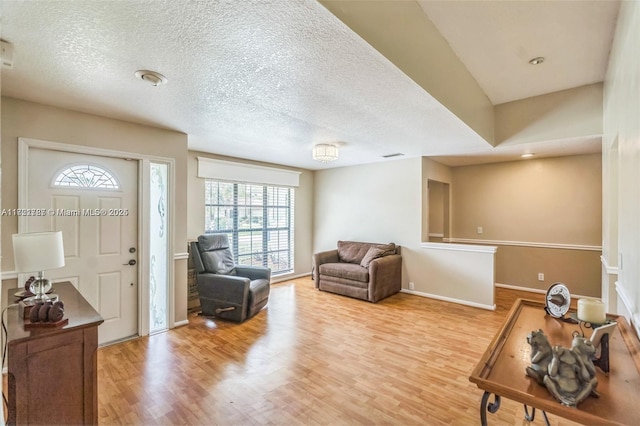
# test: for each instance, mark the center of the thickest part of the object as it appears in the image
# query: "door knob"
(131, 262)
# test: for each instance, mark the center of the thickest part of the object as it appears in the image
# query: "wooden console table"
(52, 373)
(501, 370)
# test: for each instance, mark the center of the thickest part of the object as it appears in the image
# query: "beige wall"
(378, 202)
(303, 221)
(544, 214)
(436, 209)
(550, 200)
(433, 171)
(36, 121)
(403, 33)
(621, 151)
(567, 114)
(383, 202)
(520, 265)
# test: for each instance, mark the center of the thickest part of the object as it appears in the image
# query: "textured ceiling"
(258, 80)
(262, 80)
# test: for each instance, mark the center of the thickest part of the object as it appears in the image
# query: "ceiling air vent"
(397, 154)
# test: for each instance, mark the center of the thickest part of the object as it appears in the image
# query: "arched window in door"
(86, 176)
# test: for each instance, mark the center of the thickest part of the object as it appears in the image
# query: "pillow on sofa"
(372, 253)
(388, 248)
(377, 251)
(352, 251)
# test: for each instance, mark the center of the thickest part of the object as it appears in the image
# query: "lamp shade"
(324, 152)
(38, 251)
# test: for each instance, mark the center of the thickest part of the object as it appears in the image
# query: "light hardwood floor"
(310, 358)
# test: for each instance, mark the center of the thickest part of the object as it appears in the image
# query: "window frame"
(284, 200)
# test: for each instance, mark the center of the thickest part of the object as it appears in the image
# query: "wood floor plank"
(310, 358)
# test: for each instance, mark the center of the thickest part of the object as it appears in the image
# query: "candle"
(591, 310)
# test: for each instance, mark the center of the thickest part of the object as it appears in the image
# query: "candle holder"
(599, 339)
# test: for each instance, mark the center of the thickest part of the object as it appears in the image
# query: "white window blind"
(210, 168)
(258, 220)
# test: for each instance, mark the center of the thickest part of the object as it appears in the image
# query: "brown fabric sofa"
(365, 271)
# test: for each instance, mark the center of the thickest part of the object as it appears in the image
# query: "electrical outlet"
(411, 286)
(479, 230)
(540, 276)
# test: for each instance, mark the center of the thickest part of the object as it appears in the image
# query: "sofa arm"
(385, 277)
(225, 287)
(253, 272)
(224, 296)
(329, 256)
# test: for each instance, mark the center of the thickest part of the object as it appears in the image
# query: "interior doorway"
(438, 211)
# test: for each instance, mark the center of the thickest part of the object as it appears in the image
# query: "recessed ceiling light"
(528, 155)
(152, 77)
(536, 61)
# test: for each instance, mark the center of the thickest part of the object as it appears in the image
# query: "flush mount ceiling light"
(537, 61)
(151, 77)
(528, 155)
(325, 153)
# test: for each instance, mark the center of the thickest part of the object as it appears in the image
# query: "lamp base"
(39, 287)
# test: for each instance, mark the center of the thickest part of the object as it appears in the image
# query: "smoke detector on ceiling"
(151, 77)
(537, 61)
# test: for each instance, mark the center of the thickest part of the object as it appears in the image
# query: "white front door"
(93, 200)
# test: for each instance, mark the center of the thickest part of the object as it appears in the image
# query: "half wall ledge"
(457, 273)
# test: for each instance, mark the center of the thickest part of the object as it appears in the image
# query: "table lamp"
(37, 252)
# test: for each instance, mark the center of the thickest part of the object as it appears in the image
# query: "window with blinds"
(258, 220)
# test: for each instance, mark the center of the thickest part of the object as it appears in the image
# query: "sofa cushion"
(351, 251)
(354, 252)
(215, 253)
(372, 253)
(348, 271)
(218, 262)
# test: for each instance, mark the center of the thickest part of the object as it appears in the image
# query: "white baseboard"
(450, 299)
(515, 287)
(181, 323)
(534, 290)
(629, 307)
(286, 277)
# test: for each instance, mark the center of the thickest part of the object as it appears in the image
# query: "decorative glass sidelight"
(158, 244)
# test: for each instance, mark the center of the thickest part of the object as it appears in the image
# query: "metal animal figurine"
(568, 374)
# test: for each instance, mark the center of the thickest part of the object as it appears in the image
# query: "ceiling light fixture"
(152, 77)
(325, 153)
(528, 155)
(537, 61)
